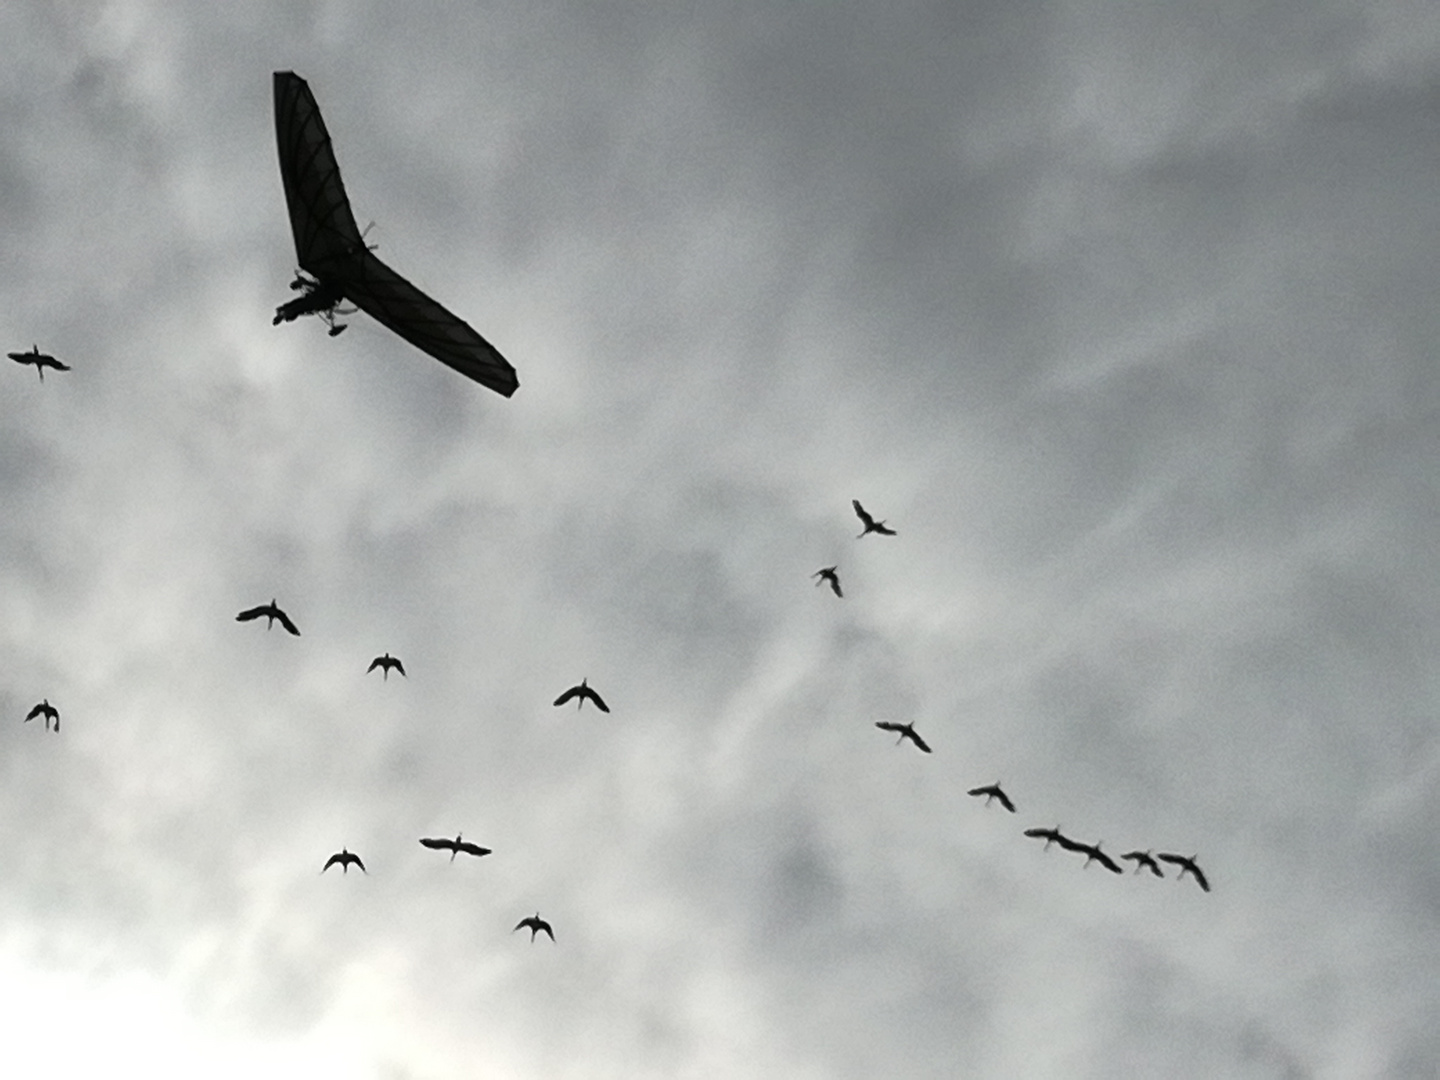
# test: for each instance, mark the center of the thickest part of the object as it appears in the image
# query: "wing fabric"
(393, 302)
(329, 246)
(326, 236)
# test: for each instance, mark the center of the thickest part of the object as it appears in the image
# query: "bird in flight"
(344, 858)
(1143, 859)
(1093, 853)
(1187, 866)
(39, 359)
(535, 924)
(271, 612)
(385, 663)
(992, 791)
(828, 574)
(906, 731)
(582, 692)
(1050, 836)
(871, 525)
(455, 846)
(48, 711)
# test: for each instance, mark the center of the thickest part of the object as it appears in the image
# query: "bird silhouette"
(827, 574)
(871, 525)
(1143, 859)
(906, 731)
(992, 791)
(385, 663)
(1093, 853)
(535, 924)
(1187, 866)
(39, 359)
(582, 692)
(1050, 836)
(48, 711)
(344, 858)
(454, 846)
(271, 612)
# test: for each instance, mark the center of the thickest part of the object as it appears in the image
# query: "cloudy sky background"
(1122, 315)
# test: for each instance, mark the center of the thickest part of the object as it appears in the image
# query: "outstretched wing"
(545, 926)
(398, 666)
(1004, 800)
(373, 665)
(36, 711)
(336, 858)
(888, 725)
(568, 695)
(252, 613)
(917, 740)
(865, 519)
(329, 245)
(471, 849)
(437, 845)
(597, 699)
(285, 622)
(1199, 877)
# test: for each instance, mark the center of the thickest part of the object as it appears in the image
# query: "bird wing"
(1178, 860)
(1043, 834)
(36, 711)
(885, 530)
(889, 725)
(1107, 862)
(19, 357)
(438, 845)
(373, 665)
(285, 622)
(1070, 845)
(251, 613)
(398, 666)
(599, 701)
(56, 364)
(545, 926)
(1199, 877)
(981, 791)
(1004, 800)
(917, 740)
(356, 860)
(336, 858)
(472, 849)
(865, 518)
(568, 695)
(526, 923)
(835, 584)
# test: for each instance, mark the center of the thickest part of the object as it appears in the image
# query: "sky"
(1121, 314)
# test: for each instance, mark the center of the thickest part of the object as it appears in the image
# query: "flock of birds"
(990, 792)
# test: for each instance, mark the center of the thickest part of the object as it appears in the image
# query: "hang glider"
(331, 250)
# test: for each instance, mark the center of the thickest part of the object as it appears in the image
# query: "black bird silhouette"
(344, 858)
(1093, 852)
(454, 846)
(1142, 858)
(992, 791)
(39, 359)
(1050, 836)
(906, 731)
(827, 573)
(582, 692)
(48, 711)
(385, 663)
(271, 613)
(871, 525)
(535, 924)
(1187, 866)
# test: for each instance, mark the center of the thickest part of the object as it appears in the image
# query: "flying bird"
(906, 731)
(1143, 859)
(385, 663)
(1093, 852)
(271, 613)
(39, 359)
(455, 847)
(344, 858)
(1187, 866)
(1050, 836)
(340, 266)
(535, 924)
(992, 791)
(48, 711)
(582, 692)
(827, 574)
(871, 525)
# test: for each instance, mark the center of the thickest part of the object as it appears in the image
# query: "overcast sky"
(1122, 314)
